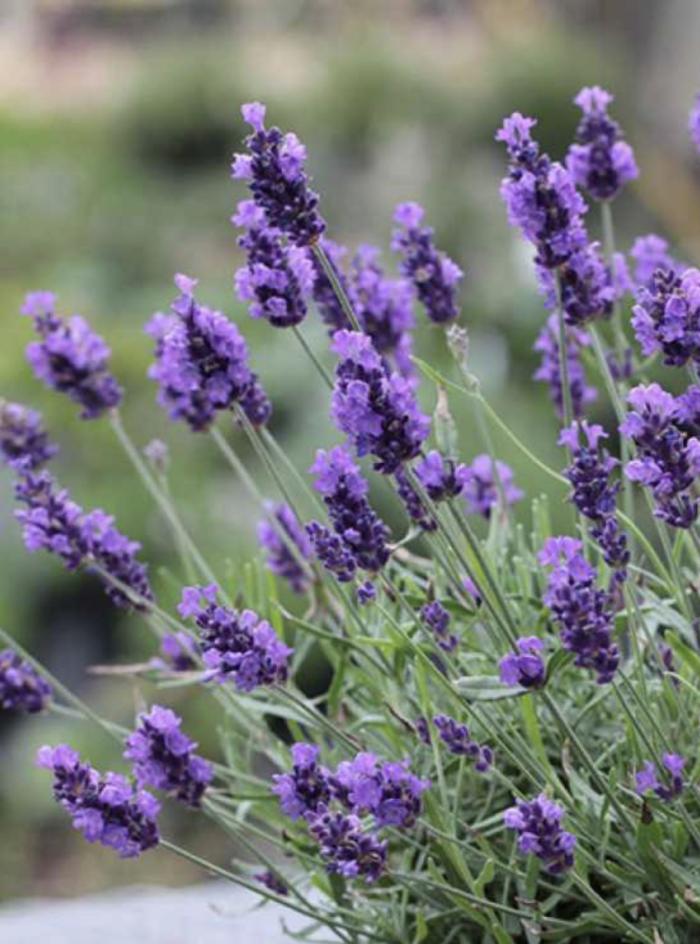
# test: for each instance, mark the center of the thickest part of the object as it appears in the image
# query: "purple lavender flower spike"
(105, 808)
(24, 443)
(306, 790)
(239, 647)
(55, 523)
(482, 490)
(347, 849)
(377, 411)
(441, 478)
(287, 546)
(666, 317)
(458, 740)
(22, 688)
(538, 824)
(202, 363)
(388, 790)
(650, 253)
(70, 357)
(324, 295)
(384, 308)
(332, 551)
(437, 619)
(540, 196)
(547, 344)
(163, 757)
(694, 123)
(600, 161)
(586, 286)
(526, 666)
(413, 503)
(594, 494)
(668, 460)
(647, 778)
(433, 274)
(274, 171)
(344, 490)
(366, 593)
(277, 277)
(272, 881)
(584, 614)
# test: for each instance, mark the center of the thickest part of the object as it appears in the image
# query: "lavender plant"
(505, 750)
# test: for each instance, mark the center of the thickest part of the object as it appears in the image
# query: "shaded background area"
(117, 123)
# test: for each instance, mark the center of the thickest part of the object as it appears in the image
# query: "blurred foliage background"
(117, 122)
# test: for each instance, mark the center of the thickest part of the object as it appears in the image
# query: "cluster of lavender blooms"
(70, 357)
(584, 613)
(105, 808)
(377, 411)
(668, 458)
(437, 619)
(387, 791)
(52, 521)
(647, 778)
(549, 371)
(488, 483)
(201, 363)
(163, 757)
(22, 688)
(359, 536)
(593, 494)
(287, 546)
(538, 825)
(524, 667)
(238, 647)
(600, 161)
(202, 370)
(458, 740)
(434, 275)
(24, 443)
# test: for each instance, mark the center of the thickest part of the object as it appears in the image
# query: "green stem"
(340, 293)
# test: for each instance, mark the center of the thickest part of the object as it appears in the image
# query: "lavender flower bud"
(163, 757)
(547, 344)
(21, 686)
(667, 316)
(457, 739)
(538, 824)
(24, 443)
(347, 849)
(647, 778)
(287, 546)
(526, 666)
(274, 170)
(239, 647)
(484, 487)
(600, 161)
(104, 807)
(70, 357)
(202, 363)
(433, 274)
(377, 411)
(437, 619)
(277, 277)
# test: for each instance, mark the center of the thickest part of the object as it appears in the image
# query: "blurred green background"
(117, 123)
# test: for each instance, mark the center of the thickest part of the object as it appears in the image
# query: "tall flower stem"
(340, 292)
(325, 376)
(160, 498)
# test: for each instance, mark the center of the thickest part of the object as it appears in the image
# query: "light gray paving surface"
(210, 913)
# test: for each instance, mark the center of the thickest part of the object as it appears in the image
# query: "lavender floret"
(526, 666)
(347, 849)
(547, 344)
(485, 487)
(647, 778)
(458, 740)
(437, 619)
